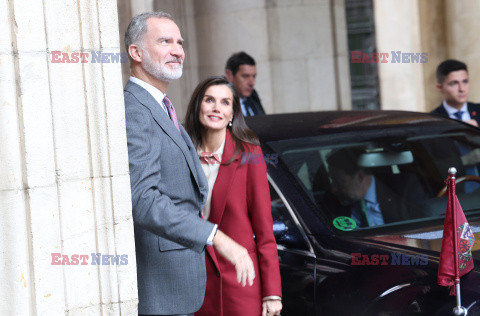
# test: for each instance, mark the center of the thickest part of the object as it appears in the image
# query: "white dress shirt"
(154, 92)
(451, 111)
(211, 172)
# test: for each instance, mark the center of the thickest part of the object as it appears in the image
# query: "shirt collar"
(155, 93)
(243, 107)
(451, 110)
(218, 153)
(371, 195)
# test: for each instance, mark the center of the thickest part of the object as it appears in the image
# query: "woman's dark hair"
(239, 129)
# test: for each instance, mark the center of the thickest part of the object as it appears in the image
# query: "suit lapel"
(472, 109)
(223, 183)
(390, 204)
(250, 106)
(194, 163)
(441, 110)
(164, 121)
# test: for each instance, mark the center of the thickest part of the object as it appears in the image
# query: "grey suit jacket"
(169, 190)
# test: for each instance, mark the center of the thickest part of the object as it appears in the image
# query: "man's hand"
(237, 255)
(472, 122)
(273, 307)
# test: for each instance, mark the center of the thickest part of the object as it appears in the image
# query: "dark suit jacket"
(390, 204)
(169, 189)
(241, 208)
(253, 102)
(473, 109)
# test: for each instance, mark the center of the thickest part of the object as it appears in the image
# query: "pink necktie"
(171, 111)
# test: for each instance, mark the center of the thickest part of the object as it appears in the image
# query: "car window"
(377, 181)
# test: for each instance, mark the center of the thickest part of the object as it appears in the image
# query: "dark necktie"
(171, 111)
(359, 213)
(249, 107)
(459, 115)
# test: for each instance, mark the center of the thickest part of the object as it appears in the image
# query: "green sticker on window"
(344, 223)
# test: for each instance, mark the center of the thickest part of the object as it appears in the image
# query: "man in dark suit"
(452, 82)
(357, 193)
(242, 72)
(167, 182)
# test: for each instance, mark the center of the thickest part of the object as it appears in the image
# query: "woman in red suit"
(239, 202)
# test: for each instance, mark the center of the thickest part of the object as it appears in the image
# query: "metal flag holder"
(458, 310)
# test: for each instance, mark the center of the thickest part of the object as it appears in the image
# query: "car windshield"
(378, 178)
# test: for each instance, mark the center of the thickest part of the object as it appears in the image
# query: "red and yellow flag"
(457, 242)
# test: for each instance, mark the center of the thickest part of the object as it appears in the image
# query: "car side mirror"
(279, 228)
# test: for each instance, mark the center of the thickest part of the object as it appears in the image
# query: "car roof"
(296, 125)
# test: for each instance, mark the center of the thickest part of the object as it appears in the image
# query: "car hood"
(423, 241)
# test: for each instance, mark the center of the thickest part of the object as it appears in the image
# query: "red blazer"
(241, 208)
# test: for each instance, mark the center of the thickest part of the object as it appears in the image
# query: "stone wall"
(300, 48)
(64, 183)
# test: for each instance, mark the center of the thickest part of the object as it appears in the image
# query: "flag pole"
(459, 309)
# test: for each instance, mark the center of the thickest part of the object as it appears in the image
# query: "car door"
(296, 256)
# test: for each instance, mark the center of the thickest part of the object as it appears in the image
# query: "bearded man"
(168, 186)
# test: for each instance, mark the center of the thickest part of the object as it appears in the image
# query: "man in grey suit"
(167, 180)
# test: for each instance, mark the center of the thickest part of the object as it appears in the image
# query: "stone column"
(301, 61)
(397, 28)
(64, 183)
(307, 44)
(433, 37)
(462, 24)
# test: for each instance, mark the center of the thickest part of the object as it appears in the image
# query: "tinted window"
(287, 233)
(406, 173)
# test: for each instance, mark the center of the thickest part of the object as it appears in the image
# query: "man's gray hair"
(138, 27)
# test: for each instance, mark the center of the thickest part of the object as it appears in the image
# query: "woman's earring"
(230, 124)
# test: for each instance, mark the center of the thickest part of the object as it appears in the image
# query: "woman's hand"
(273, 307)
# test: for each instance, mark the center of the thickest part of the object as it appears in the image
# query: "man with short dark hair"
(168, 185)
(355, 187)
(452, 82)
(242, 72)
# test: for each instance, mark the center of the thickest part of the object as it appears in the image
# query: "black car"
(333, 265)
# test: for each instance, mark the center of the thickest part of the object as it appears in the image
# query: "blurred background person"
(453, 83)
(238, 202)
(242, 72)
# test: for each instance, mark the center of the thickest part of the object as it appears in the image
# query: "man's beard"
(161, 71)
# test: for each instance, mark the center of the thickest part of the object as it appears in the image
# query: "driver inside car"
(357, 193)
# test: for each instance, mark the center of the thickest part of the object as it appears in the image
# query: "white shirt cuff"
(212, 234)
(272, 298)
